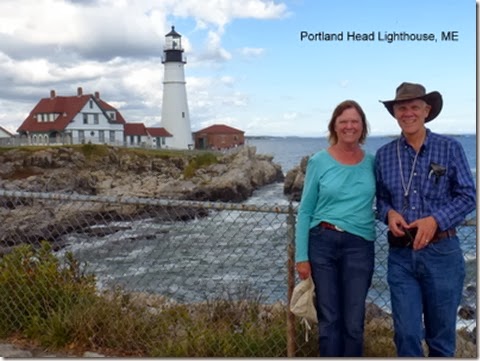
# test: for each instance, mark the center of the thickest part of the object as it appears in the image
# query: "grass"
(54, 304)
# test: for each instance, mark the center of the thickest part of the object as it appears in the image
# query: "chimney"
(52, 94)
(79, 91)
(97, 95)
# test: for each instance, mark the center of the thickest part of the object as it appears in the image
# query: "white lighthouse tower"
(175, 115)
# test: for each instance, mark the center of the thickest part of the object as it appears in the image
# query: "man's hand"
(426, 230)
(396, 223)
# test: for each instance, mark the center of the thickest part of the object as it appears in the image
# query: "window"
(112, 136)
(163, 141)
(101, 136)
(183, 114)
(95, 118)
(112, 115)
(91, 104)
(81, 136)
(132, 139)
(85, 118)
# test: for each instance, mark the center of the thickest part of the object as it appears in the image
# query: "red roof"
(158, 132)
(220, 129)
(67, 108)
(134, 129)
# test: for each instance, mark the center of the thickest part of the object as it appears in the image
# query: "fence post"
(291, 332)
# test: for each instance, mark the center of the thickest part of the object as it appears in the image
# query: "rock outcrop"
(294, 179)
(118, 172)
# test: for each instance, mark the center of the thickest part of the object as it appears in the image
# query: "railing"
(187, 278)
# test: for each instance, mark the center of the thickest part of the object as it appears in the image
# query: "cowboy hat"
(411, 91)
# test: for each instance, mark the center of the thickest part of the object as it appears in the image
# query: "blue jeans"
(342, 269)
(428, 282)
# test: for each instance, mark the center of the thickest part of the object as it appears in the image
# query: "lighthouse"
(175, 115)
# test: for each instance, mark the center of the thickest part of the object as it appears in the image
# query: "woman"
(335, 232)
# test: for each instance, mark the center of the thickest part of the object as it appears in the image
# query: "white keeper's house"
(86, 118)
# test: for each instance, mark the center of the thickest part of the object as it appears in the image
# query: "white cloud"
(115, 47)
(221, 12)
(252, 52)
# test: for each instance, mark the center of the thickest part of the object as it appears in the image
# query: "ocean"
(288, 151)
(204, 247)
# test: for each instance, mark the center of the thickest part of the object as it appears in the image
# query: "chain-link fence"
(149, 277)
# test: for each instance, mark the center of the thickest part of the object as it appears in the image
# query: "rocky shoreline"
(107, 170)
(115, 172)
(118, 172)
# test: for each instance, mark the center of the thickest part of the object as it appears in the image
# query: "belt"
(330, 226)
(406, 241)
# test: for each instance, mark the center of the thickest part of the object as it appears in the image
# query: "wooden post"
(291, 330)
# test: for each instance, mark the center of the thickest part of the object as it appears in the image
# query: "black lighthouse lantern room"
(173, 51)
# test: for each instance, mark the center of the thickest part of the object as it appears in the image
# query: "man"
(424, 191)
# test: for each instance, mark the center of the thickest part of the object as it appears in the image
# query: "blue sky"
(246, 65)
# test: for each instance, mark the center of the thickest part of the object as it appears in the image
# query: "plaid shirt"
(441, 184)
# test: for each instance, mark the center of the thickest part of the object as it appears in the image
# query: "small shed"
(218, 136)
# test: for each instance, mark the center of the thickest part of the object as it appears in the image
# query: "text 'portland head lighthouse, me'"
(175, 115)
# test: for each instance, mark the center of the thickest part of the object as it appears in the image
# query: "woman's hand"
(303, 269)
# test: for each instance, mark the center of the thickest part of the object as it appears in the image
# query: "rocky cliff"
(294, 179)
(104, 170)
(110, 171)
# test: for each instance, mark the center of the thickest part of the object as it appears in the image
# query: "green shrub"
(93, 151)
(199, 161)
(34, 286)
(55, 304)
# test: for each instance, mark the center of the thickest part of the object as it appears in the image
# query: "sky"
(247, 64)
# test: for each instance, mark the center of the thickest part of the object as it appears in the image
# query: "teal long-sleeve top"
(336, 193)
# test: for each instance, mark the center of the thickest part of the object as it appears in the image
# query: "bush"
(199, 161)
(55, 304)
(35, 289)
(93, 151)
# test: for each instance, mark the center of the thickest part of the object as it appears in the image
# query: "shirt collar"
(426, 142)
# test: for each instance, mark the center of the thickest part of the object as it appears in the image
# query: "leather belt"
(406, 241)
(330, 226)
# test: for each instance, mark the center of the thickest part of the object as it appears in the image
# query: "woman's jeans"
(429, 282)
(342, 269)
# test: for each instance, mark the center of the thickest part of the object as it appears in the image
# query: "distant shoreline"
(324, 137)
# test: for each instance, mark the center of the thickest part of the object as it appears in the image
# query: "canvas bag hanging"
(302, 303)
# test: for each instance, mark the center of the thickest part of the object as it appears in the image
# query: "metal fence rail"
(234, 262)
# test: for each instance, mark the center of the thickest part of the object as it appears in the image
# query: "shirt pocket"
(436, 187)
